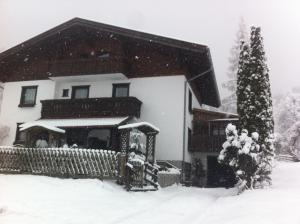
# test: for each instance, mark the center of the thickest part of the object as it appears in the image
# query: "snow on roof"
(138, 124)
(49, 127)
(53, 124)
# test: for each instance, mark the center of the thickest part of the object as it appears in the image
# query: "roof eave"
(108, 28)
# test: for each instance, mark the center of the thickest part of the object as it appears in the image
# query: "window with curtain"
(80, 92)
(121, 90)
(28, 96)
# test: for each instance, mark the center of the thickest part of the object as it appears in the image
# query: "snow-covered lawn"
(42, 200)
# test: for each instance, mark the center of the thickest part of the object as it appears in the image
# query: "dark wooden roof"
(133, 53)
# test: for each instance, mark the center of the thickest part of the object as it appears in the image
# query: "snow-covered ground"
(42, 200)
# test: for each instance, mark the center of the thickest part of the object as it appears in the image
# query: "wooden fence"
(286, 157)
(59, 162)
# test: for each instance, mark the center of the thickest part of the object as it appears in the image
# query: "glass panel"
(99, 138)
(65, 93)
(121, 91)
(215, 130)
(222, 131)
(81, 93)
(22, 136)
(29, 95)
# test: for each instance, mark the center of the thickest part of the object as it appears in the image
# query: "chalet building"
(76, 83)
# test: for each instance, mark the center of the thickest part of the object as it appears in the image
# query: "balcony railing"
(91, 107)
(205, 143)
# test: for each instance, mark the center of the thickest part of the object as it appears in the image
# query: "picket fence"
(59, 162)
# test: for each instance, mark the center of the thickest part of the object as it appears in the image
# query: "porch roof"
(142, 126)
(56, 124)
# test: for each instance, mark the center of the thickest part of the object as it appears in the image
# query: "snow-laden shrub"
(241, 152)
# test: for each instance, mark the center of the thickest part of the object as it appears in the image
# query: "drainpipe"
(184, 119)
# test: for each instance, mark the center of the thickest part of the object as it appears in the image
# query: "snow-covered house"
(83, 79)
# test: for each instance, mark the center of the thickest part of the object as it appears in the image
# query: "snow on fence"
(59, 162)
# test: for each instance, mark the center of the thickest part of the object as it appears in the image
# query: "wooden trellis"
(136, 175)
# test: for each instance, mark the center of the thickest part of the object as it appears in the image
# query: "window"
(190, 102)
(189, 138)
(80, 92)
(121, 90)
(99, 138)
(65, 93)
(222, 130)
(215, 129)
(28, 96)
(20, 135)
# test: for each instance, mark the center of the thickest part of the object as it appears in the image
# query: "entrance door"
(219, 175)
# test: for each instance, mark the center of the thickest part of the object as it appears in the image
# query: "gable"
(81, 47)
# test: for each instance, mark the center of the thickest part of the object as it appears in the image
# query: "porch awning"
(142, 126)
(56, 125)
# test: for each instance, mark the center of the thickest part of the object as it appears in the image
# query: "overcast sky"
(210, 22)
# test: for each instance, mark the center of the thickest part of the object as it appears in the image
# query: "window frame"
(116, 85)
(74, 88)
(22, 103)
(65, 91)
(190, 133)
(190, 101)
(17, 136)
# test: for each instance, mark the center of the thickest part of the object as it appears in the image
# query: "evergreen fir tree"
(254, 100)
(261, 112)
(229, 102)
(243, 91)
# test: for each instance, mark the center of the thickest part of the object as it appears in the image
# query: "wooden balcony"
(91, 107)
(205, 143)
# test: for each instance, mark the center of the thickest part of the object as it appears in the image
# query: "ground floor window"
(94, 138)
(99, 138)
(79, 137)
(20, 136)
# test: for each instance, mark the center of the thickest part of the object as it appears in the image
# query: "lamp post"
(184, 118)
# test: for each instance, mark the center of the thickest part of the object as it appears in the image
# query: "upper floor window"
(65, 93)
(80, 92)
(28, 96)
(121, 90)
(190, 102)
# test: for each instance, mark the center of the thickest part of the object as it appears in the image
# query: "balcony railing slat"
(91, 107)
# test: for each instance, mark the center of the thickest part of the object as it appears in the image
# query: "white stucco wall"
(189, 119)
(162, 97)
(100, 85)
(11, 114)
